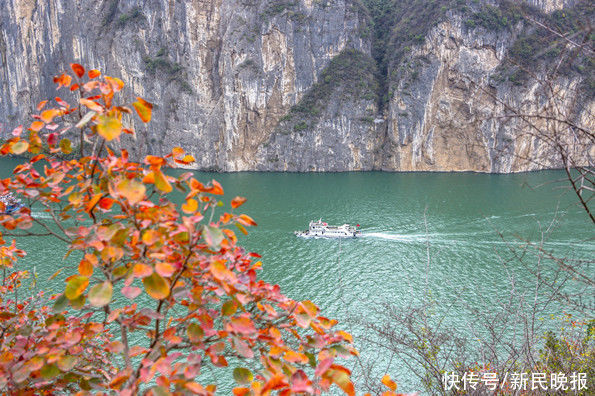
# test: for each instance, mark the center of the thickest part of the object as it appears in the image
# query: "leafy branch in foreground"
(192, 298)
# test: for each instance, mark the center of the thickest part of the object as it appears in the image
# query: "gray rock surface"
(284, 85)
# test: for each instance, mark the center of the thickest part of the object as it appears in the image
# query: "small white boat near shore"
(319, 229)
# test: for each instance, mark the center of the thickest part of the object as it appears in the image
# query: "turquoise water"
(454, 219)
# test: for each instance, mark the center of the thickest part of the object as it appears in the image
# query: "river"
(423, 234)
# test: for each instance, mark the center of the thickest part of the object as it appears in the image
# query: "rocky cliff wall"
(450, 95)
(221, 72)
(304, 85)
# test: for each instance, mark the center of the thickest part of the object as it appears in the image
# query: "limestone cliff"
(301, 85)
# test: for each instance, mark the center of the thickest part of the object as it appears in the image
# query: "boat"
(11, 204)
(320, 229)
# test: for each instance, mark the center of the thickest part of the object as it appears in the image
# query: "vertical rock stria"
(307, 85)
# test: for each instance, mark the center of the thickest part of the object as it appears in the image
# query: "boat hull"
(306, 234)
(10, 209)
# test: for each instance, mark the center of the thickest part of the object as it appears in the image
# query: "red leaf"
(242, 325)
(237, 201)
(78, 69)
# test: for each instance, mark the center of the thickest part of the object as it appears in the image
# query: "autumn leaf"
(164, 269)
(213, 236)
(76, 286)
(94, 73)
(85, 268)
(47, 116)
(115, 83)
(246, 220)
(242, 375)
(237, 201)
(109, 127)
(143, 108)
(96, 107)
(242, 325)
(36, 126)
(41, 105)
(86, 118)
(392, 385)
(101, 294)
(194, 332)
(141, 270)
(66, 146)
(131, 292)
(161, 182)
(190, 206)
(156, 286)
(78, 69)
(132, 190)
(19, 147)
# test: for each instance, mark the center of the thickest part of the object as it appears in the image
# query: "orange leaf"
(94, 73)
(165, 269)
(216, 188)
(78, 69)
(115, 83)
(190, 206)
(41, 105)
(242, 325)
(92, 105)
(36, 126)
(177, 151)
(246, 220)
(141, 270)
(106, 203)
(85, 268)
(143, 108)
(150, 237)
(48, 115)
(237, 201)
(389, 383)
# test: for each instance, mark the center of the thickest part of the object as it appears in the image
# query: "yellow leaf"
(156, 286)
(161, 182)
(101, 294)
(143, 108)
(132, 190)
(19, 147)
(76, 286)
(109, 127)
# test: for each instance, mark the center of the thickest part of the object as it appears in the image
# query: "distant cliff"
(306, 85)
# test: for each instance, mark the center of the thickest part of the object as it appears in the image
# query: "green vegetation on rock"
(351, 71)
(174, 70)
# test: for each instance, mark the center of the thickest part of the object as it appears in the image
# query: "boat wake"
(397, 237)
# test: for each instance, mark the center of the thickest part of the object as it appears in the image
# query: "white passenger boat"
(11, 204)
(319, 229)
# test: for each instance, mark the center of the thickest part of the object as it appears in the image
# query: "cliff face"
(299, 85)
(450, 96)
